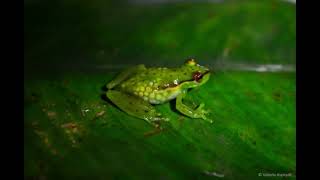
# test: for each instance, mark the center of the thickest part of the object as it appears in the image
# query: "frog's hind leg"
(124, 75)
(135, 106)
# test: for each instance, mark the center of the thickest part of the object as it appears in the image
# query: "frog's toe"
(166, 119)
(207, 119)
(203, 113)
(201, 110)
(159, 117)
(158, 121)
(200, 106)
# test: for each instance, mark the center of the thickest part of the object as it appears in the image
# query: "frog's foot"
(157, 120)
(199, 112)
(136, 107)
(202, 113)
(157, 117)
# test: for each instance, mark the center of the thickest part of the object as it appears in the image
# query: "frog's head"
(198, 73)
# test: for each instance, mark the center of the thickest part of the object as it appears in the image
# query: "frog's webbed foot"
(199, 112)
(136, 107)
(158, 118)
(155, 118)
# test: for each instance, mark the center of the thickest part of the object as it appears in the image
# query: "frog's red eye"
(197, 75)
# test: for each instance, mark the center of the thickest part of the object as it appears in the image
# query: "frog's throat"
(204, 78)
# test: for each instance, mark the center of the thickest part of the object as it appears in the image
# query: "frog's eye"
(197, 76)
(191, 62)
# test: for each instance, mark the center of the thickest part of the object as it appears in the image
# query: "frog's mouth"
(198, 76)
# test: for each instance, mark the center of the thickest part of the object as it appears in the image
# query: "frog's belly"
(159, 96)
(162, 97)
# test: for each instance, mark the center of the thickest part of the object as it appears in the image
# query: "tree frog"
(137, 89)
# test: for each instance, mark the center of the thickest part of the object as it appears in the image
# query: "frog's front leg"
(199, 112)
(124, 75)
(135, 106)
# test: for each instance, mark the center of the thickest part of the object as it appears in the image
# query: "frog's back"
(153, 85)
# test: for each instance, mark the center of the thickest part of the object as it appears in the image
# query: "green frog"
(137, 89)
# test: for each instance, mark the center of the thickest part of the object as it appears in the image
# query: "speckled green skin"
(135, 89)
(156, 85)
